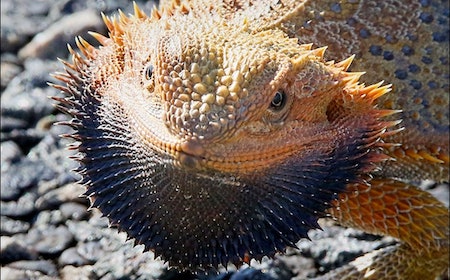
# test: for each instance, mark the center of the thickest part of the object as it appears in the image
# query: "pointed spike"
(117, 26)
(156, 14)
(388, 112)
(62, 109)
(184, 8)
(89, 48)
(373, 86)
(330, 62)
(388, 124)
(380, 92)
(84, 46)
(382, 157)
(67, 64)
(103, 40)
(345, 64)
(58, 87)
(319, 51)
(393, 132)
(352, 77)
(306, 47)
(429, 157)
(59, 75)
(376, 90)
(387, 145)
(123, 18)
(62, 100)
(107, 22)
(412, 153)
(71, 51)
(138, 12)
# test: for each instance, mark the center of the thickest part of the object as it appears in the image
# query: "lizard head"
(216, 142)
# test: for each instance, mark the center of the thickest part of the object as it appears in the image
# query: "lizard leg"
(415, 217)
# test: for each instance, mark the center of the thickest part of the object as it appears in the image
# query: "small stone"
(46, 218)
(10, 153)
(11, 227)
(71, 256)
(60, 32)
(8, 72)
(23, 175)
(85, 231)
(16, 273)
(74, 211)
(70, 272)
(250, 274)
(45, 267)
(54, 198)
(11, 125)
(91, 251)
(12, 250)
(22, 207)
(49, 240)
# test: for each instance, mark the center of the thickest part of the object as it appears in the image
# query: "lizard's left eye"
(278, 101)
(279, 107)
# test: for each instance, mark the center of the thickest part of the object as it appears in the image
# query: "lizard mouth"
(191, 154)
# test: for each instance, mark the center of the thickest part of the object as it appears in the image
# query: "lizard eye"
(278, 101)
(149, 71)
(279, 107)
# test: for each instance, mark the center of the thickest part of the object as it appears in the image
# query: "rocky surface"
(47, 231)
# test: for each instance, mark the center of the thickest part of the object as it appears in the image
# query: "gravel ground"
(47, 231)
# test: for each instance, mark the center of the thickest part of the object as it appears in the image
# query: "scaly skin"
(407, 46)
(211, 134)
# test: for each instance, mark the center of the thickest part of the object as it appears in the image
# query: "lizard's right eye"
(149, 72)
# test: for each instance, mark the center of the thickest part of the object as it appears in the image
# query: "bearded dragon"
(216, 132)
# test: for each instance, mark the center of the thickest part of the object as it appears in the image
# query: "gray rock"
(10, 124)
(299, 266)
(22, 207)
(91, 250)
(70, 272)
(74, 211)
(12, 250)
(250, 274)
(60, 32)
(72, 257)
(26, 138)
(45, 267)
(46, 218)
(8, 70)
(22, 176)
(52, 149)
(10, 153)
(336, 246)
(10, 226)
(49, 240)
(10, 273)
(26, 96)
(54, 198)
(85, 231)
